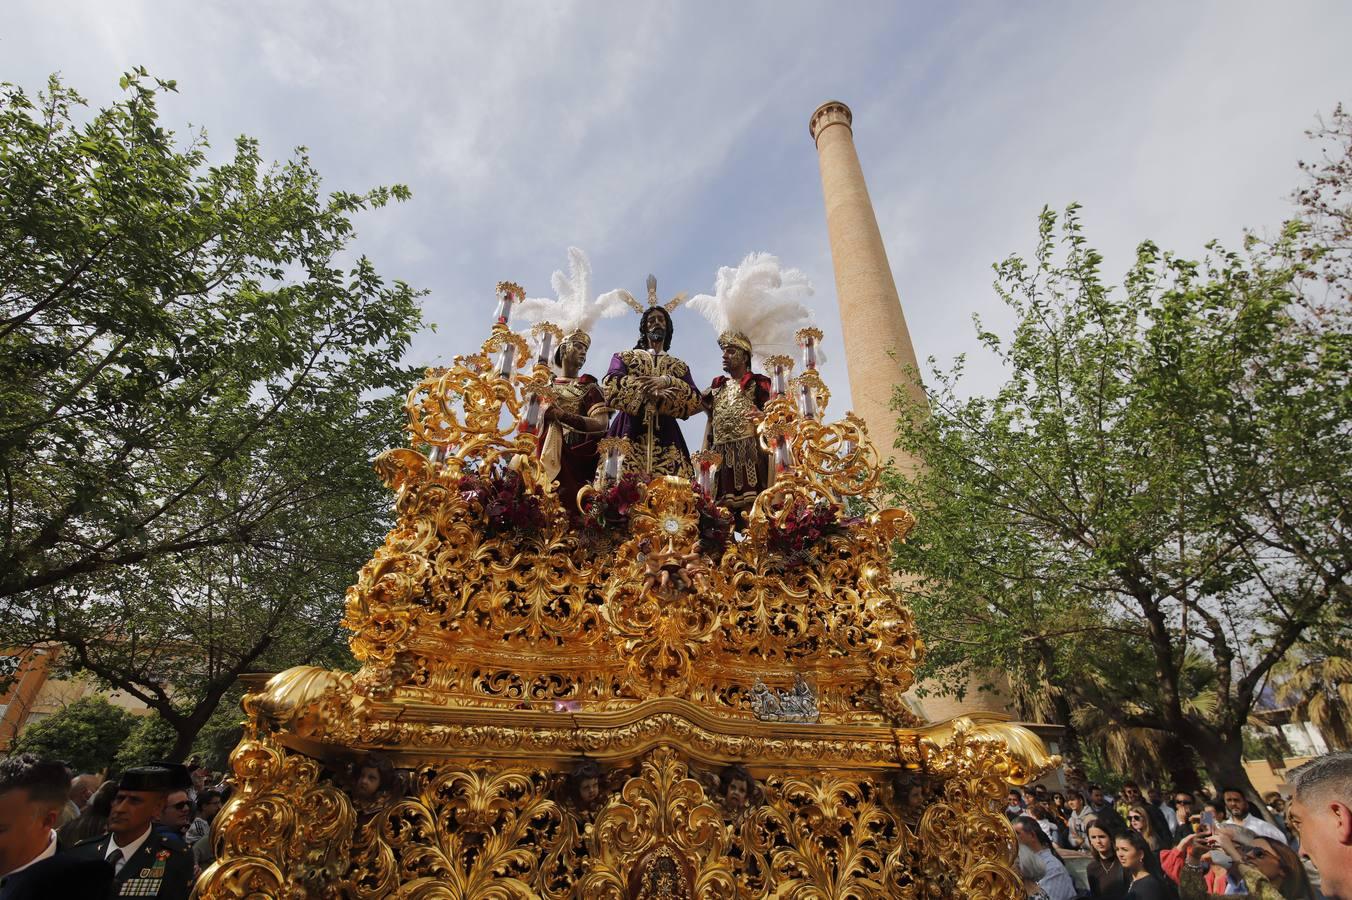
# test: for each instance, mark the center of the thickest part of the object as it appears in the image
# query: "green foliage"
(195, 373)
(150, 740)
(221, 733)
(1151, 512)
(85, 734)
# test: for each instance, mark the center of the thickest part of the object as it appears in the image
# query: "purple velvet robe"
(633, 407)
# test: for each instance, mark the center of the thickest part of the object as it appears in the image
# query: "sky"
(672, 137)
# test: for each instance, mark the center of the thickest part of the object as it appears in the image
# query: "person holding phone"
(1188, 820)
(1221, 862)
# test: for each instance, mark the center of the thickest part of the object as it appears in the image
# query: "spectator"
(1223, 864)
(1213, 812)
(1057, 813)
(1140, 821)
(1032, 870)
(1237, 807)
(1277, 807)
(1130, 793)
(82, 787)
(1106, 878)
(199, 775)
(1184, 803)
(1075, 820)
(1014, 806)
(176, 816)
(1141, 867)
(1042, 815)
(208, 804)
(93, 821)
(1097, 801)
(1156, 798)
(1321, 809)
(1282, 866)
(133, 846)
(203, 851)
(32, 795)
(1056, 881)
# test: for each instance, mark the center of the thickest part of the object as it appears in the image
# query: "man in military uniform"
(145, 862)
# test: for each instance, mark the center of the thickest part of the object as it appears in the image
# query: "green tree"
(85, 734)
(1165, 473)
(195, 372)
(150, 740)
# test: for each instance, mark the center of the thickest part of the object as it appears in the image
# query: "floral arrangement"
(793, 535)
(715, 525)
(609, 508)
(506, 503)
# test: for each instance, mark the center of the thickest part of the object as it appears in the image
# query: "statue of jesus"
(650, 390)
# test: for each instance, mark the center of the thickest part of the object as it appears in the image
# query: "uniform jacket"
(59, 876)
(161, 868)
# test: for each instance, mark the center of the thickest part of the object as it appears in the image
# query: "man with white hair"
(1321, 801)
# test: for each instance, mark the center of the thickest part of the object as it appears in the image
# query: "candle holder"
(778, 434)
(548, 336)
(706, 464)
(612, 451)
(536, 389)
(507, 349)
(812, 394)
(781, 367)
(509, 294)
(808, 339)
(807, 398)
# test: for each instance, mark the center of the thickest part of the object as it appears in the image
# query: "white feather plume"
(760, 299)
(575, 309)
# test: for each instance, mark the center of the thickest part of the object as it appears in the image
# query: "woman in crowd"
(1055, 881)
(1216, 865)
(1044, 816)
(1106, 878)
(1140, 865)
(1139, 821)
(1289, 872)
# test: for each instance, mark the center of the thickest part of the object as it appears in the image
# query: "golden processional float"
(507, 651)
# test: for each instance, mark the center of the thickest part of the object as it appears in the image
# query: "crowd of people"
(1144, 845)
(146, 833)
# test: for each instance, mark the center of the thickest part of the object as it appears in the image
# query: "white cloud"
(673, 137)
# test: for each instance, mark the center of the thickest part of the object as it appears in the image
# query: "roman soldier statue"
(756, 308)
(650, 391)
(576, 416)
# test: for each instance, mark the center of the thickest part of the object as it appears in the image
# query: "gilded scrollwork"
(660, 838)
(498, 644)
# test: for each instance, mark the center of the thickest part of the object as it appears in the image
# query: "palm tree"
(1141, 752)
(1317, 685)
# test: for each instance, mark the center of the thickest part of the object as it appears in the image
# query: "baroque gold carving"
(494, 655)
(661, 838)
